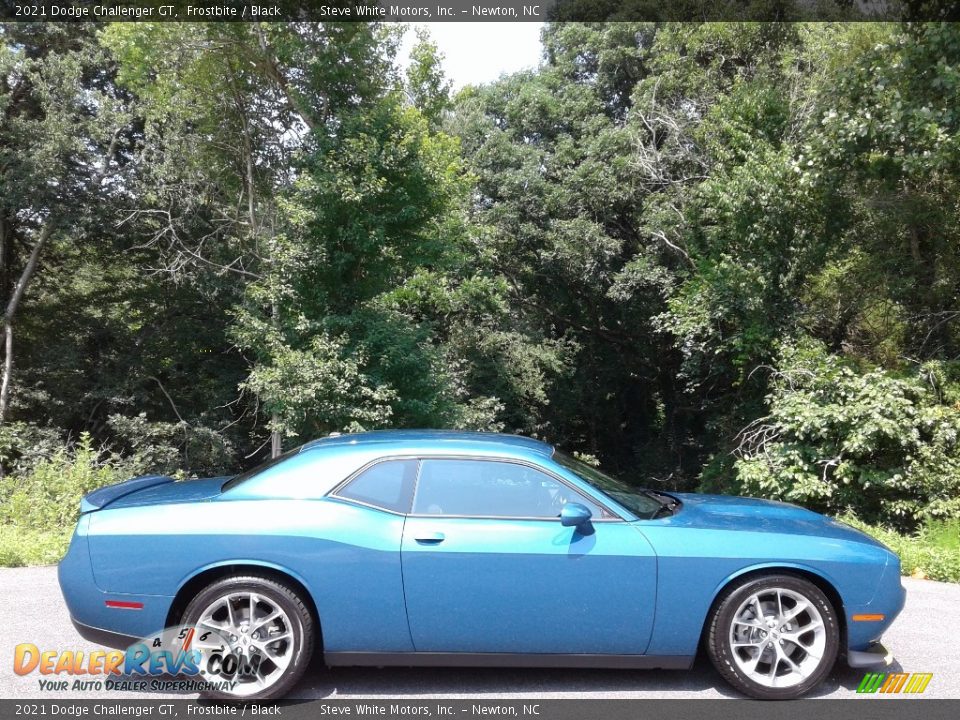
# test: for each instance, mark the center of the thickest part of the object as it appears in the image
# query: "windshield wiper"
(668, 503)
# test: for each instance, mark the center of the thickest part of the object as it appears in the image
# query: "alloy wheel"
(778, 637)
(256, 631)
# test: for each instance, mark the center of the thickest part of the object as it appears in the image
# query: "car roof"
(441, 441)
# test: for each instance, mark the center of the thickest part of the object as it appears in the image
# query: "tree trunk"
(276, 441)
(7, 370)
(271, 64)
(3, 246)
(10, 313)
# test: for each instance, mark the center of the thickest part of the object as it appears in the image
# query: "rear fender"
(87, 603)
(245, 566)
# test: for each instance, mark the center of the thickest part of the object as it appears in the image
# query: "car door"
(488, 567)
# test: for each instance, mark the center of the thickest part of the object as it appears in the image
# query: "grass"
(944, 534)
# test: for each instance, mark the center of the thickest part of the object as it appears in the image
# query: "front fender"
(867, 622)
(801, 568)
(695, 565)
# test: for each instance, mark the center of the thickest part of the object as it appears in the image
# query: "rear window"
(388, 485)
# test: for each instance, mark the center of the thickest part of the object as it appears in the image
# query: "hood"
(153, 490)
(727, 512)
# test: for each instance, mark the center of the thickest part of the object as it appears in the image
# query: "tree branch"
(272, 67)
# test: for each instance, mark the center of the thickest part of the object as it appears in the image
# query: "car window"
(488, 488)
(387, 485)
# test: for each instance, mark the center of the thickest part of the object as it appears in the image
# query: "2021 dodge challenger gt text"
(441, 548)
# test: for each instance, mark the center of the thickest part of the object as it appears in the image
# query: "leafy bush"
(933, 552)
(23, 445)
(39, 508)
(838, 439)
(150, 446)
(48, 497)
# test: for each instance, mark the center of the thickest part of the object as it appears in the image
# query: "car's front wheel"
(256, 636)
(774, 637)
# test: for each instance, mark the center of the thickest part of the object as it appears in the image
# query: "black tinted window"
(484, 488)
(386, 485)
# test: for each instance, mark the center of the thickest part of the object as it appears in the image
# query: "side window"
(489, 488)
(386, 485)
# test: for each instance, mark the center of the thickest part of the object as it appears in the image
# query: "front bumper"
(874, 655)
(864, 633)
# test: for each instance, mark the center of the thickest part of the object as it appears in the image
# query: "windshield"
(637, 501)
(247, 474)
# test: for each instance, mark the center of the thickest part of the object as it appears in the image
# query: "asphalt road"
(924, 638)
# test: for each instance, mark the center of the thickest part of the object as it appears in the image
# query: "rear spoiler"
(106, 495)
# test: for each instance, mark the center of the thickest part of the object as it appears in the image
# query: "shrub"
(837, 439)
(150, 446)
(40, 497)
(23, 445)
(48, 497)
(39, 507)
(21, 546)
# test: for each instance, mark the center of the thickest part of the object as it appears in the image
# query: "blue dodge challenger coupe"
(446, 548)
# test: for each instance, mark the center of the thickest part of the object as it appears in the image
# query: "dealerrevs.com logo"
(180, 659)
(909, 683)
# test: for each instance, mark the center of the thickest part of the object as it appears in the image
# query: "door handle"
(430, 538)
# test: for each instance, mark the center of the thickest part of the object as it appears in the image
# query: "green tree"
(374, 204)
(346, 192)
(427, 87)
(63, 132)
(561, 192)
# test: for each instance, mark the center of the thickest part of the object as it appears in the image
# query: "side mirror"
(575, 515)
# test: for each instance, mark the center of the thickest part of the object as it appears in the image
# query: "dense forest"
(715, 256)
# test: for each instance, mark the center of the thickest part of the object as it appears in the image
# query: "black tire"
(302, 627)
(721, 652)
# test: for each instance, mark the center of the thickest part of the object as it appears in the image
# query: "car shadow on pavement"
(848, 678)
(321, 682)
(702, 680)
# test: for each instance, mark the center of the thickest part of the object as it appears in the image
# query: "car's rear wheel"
(256, 636)
(774, 637)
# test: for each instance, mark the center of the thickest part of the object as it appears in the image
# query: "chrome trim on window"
(334, 493)
(420, 457)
